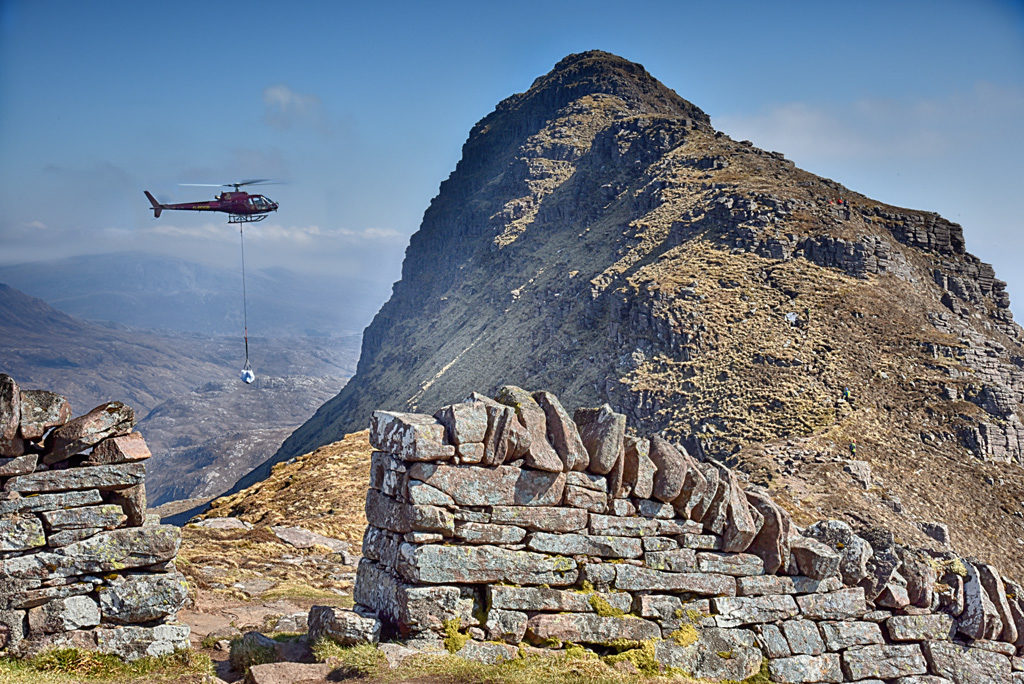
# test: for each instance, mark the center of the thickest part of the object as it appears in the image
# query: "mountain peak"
(596, 72)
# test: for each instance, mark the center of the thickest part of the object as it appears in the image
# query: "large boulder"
(129, 599)
(771, 543)
(541, 455)
(562, 432)
(603, 433)
(670, 473)
(40, 411)
(638, 469)
(839, 536)
(78, 434)
(10, 417)
(343, 627)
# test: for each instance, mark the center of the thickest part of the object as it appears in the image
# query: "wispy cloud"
(883, 128)
(285, 108)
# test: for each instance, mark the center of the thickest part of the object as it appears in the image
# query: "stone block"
(842, 635)
(670, 469)
(932, 627)
(638, 468)
(20, 532)
(127, 599)
(562, 432)
(487, 533)
(541, 518)
(10, 409)
(121, 449)
(813, 558)
(422, 494)
(806, 668)
(585, 499)
(487, 653)
(736, 564)
(505, 625)
(598, 483)
(589, 628)
(996, 590)
(883, 661)
(343, 627)
(546, 599)
(104, 516)
(736, 611)
(633, 578)
(803, 637)
(432, 564)
(133, 502)
(506, 439)
(676, 560)
(853, 550)
(773, 641)
(771, 543)
(388, 514)
(464, 423)
(409, 610)
(63, 615)
(651, 508)
(716, 655)
(18, 465)
(122, 549)
(501, 486)
(40, 411)
(845, 604)
(585, 545)
(78, 434)
(980, 618)
(411, 436)
(134, 642)
(104, 478)
(759, 585)
(964, 665)
(56, 540)
(603, 434)
(541, 455)
(699, 541)
(659, 544)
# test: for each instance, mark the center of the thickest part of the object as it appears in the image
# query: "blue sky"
(363, 109)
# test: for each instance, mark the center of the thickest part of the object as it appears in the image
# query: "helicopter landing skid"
(246, 218)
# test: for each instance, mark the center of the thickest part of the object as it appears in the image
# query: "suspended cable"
(247, 374)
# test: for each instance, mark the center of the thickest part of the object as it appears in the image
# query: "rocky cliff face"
(599, 238)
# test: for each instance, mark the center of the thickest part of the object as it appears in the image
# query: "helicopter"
(240, 206)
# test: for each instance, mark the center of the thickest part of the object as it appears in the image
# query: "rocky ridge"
(642, 552)
(81, 563)
(599, 237)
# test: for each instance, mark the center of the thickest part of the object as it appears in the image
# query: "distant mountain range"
(204, 427)
(157, 292)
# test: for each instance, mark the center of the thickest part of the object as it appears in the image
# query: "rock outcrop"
(600, 238)
(81, 564)
(477, 558)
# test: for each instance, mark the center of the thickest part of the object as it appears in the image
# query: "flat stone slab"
(104, 516)
(844, 604)
(541, 518)
(632, 526)
(735, 611)
(18, 465)
(588, 628)
(883, 661)
(104, 478)
(486, 652)
(633, 578)
(131, 547)
(758, 585)
(543, 599)
(736, 564)
(674, 560)
(716, 655)
(435, 564)
(78, 434)
(585, 545)
(302, 538)
(500, 486)
(288, 673)
(488, 533)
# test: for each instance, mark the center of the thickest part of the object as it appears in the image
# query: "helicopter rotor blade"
(201, 185)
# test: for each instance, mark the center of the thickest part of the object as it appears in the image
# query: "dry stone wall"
(81, 563)
(502, 525)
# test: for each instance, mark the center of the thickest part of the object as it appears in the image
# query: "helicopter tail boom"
(157, 207)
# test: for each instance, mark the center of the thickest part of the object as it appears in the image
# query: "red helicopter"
(240, 206)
